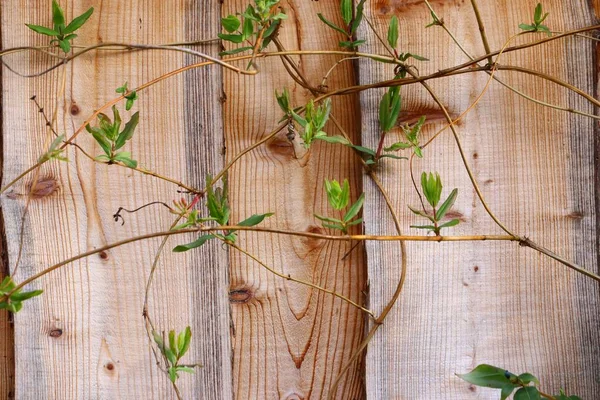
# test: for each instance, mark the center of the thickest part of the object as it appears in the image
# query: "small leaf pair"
(368, 155)
(339, 197)
(14, 302)
(431, 186)
(130, 95)
(498, 378)
(63, 34)
(389, 108)
(177, 348)
(392, 38)
(110, 139)
(538, 18)
(54, 153)
(313, 122)
(412, 136)
(352, 18)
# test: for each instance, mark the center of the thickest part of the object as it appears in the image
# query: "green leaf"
(125, 158)
(331, 24)
(528, 28)
(562, 396)
(335, 226)
(327, 219)
(447, 205)
(537, 15)
(255, 219)
(25, 295)
(528, 393)
(335, 140)
(230, 23)
(354, 210)
(421, 213)
(65, 45)
(231, 38)
(128, 131)
(187, 337)
(185, 369)
(79, 21)
(58, 16)
(358, 18)
(42, 29)
(392, 36)
(248, 28)
(173, 343)
(235, 51)
(346, 7)
(364, 150)
(398, 146)
(100, 137)
(527, 378)
(507, 391)
(428, 227)
(488, 376)
(196, 243)
(450, 223)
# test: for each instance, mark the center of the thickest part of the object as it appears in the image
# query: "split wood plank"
(472, 303)
(291, 341)
(85, 336)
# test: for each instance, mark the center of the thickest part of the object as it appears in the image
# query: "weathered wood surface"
(85, 337)
(291, 341)
(466, 304)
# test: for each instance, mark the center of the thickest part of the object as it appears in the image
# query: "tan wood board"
(472, 303)
(85, 336)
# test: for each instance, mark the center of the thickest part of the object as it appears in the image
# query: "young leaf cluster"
(111, 140)
(392, 38)
(339, 197)
(63, 35)
(313, 122)
(245, 26)
(432, 190)
(177, 347)
(498, 378)
(352, 18)
(14, 302)
(412, 137)
(130, 95)
(538, 18)
(217, 203)
(54, 153)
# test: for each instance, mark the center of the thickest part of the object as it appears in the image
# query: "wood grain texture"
(494, 303)
(7, 335)
(85, 337)
(291, 341)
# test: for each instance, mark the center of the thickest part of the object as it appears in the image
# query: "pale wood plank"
(85, 337)
(290, 341)
(492, 303)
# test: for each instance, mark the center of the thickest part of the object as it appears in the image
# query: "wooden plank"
(7, 335)
(85, 337)
(291, 341)
(471, 303)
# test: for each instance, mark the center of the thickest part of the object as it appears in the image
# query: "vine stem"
(397, 238)
(305, 283)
